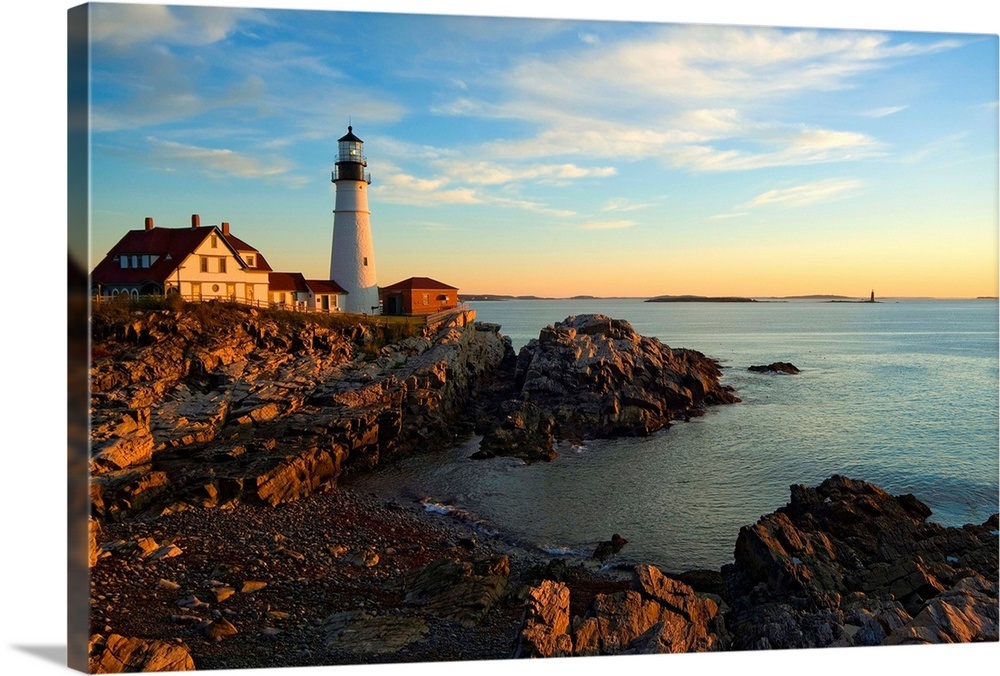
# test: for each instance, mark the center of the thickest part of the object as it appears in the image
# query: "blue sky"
(560, 157)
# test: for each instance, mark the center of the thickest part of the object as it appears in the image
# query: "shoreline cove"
(281, 494)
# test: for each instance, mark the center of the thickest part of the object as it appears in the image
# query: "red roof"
(418, 283)
(287, 281)
(324, 286)
(259, 264)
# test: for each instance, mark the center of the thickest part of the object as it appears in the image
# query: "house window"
(366, 261)
(222, 265)
(135, 261)
(215, 241)
(250, 261)
(145, 260)
(424, 299)
(204, 264)
(123, 260)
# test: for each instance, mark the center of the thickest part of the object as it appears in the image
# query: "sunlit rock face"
(592, 376)
(215, 404)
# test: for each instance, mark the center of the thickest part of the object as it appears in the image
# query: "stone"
(250, 586)
(219, 628)
(457, 590)
(220, 594)
(964, 613)
(544, 628)
(365, 558)
(116, 654)
(609, 548)
(776, 367)
(362, 632)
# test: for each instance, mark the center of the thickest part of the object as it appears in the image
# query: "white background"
(33, 587)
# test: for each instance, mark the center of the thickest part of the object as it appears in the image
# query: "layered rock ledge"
(212, 405)
(846, 563)
(591, 376)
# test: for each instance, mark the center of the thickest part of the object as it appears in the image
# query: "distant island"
(700, 299)
(497, 297)
(817, 296)
(481, 297)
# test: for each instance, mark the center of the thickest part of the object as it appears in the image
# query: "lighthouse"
(352, 261)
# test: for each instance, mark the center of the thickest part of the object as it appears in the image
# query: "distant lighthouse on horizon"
(352, 259)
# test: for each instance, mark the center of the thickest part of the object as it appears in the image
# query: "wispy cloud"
(490, 173)
(173, 156)
(723, 217)
(884, 112)
(621, 204)
(659, 96)
(121, 26)
(806, 194)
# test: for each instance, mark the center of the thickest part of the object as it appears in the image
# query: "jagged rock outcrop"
(545, 624)
(656, 615)
(846, 563)
(117, 654)
(776, 367)
(211, 405)
(592, 376)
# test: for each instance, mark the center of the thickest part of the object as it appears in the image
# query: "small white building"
(325, 295)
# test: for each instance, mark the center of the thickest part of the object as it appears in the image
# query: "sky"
(560, 157)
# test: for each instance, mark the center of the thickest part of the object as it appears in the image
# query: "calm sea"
(902, 394)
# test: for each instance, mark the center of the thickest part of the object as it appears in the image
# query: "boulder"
(115, 654)
(545, 623)
(458, 590)
(776, 367)
(846, 563)
(657, 615)
(362, 632)
(609, 548)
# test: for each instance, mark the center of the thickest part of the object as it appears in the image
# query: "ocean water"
(903, 394)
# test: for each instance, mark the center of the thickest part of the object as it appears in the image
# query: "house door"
(196, 291)
(231, 291)
(249, 288)
(326, 303)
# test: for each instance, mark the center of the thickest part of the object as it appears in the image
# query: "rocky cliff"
(842, 564)
(592, 376)
(206, 406)
(846, 563)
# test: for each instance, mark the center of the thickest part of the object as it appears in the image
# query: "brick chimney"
(195, 220)
(149, 223)
(225, 227)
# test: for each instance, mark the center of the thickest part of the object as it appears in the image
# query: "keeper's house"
(200, 262)
(418, 296)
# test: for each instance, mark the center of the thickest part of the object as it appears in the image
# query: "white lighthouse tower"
(352, 261)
